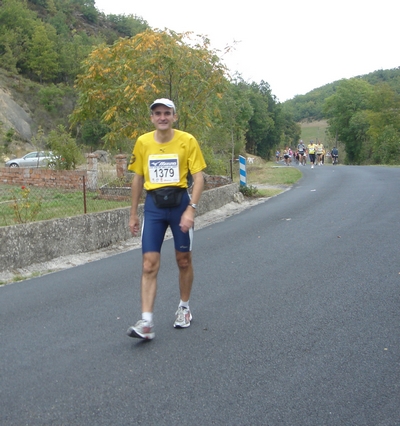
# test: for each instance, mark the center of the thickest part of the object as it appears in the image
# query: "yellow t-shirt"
(320, 148)
(311, 148)
(166, 164)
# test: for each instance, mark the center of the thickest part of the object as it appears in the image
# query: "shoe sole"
(133, 333)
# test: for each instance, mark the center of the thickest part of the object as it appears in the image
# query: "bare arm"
(187, 219)
(137, 189)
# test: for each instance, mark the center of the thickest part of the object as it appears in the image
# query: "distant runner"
(311, 153)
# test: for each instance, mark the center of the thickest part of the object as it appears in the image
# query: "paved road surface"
(296, 322)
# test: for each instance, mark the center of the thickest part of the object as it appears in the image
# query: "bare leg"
(184, 261)
(151, 265)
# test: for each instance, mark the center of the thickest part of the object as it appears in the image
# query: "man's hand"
(187, 219)
(134, 224)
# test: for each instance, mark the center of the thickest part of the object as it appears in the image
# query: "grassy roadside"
(270, 178)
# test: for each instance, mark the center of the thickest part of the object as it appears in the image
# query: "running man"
(311, 153)
(301, 148)
(334, 155)
(319, 148)
(286, 156)
(161, 161)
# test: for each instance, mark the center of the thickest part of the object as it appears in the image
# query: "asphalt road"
(296, 321)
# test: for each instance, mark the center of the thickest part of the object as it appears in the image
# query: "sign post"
(242, 164)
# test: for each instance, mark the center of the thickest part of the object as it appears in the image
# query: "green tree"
(261, 122)
(65, 149)
(89, 12)
(72, 52)
(384, 124)
(348, 121)
(227, 135)
(119, 83)
(43, 58)
(17, 25)
(51, 97)
(289, 131)
(128, 25)
(92, 133)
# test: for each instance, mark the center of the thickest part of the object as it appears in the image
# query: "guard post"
(242, 165)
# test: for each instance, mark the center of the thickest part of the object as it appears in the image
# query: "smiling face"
(162, 117)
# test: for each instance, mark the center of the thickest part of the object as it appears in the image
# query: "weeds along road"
(296, 321)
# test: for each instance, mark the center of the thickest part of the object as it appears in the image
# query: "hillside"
(43, 44)
(309, 106)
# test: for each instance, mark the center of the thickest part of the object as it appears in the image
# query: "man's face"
(162, 117)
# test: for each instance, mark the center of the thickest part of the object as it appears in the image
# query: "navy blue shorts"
(155, 224)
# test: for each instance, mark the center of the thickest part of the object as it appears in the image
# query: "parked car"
(33, 159)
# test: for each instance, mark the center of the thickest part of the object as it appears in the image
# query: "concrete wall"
(25, 244)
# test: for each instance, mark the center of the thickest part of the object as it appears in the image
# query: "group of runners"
(315, 152)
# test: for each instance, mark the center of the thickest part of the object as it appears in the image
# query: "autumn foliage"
(120, 82)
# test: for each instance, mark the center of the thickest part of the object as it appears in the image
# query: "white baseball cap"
(163, 101)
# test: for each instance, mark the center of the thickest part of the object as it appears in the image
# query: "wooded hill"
(309, 107)
(46, 40)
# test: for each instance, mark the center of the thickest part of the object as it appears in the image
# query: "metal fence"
(24, 198)
(33, 195)
(25, 203)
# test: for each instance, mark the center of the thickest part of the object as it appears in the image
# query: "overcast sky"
(294, 45)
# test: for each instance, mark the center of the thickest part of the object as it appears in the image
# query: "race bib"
(164, 168)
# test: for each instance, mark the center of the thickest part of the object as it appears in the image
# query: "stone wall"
(25, 244)
(66, 179)
(215, 181)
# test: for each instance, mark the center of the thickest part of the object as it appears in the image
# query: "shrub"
(249, 191)
(26, 206)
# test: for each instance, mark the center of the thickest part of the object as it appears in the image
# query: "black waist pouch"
(169, 196)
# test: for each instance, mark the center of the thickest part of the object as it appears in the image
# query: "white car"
(33, 159)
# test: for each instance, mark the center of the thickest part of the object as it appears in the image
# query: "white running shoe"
(142, 330)
(183, 317)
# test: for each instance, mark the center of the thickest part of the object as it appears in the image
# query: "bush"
(26, 206)
(214, 165)
(64, 147)
(249, 191)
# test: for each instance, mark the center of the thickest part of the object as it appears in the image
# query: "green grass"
(55, 203)
(313, 131)
(269, 173)
(269, 192)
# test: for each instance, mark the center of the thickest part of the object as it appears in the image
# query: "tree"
(347, 120)
(43, 58)
(17, 24)
(261, 122)
(51, 97)
(384, 125)
(72, 52)
(227, 136)
(65, 149)
(289, 131)
(128, 25)
(120, 82)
